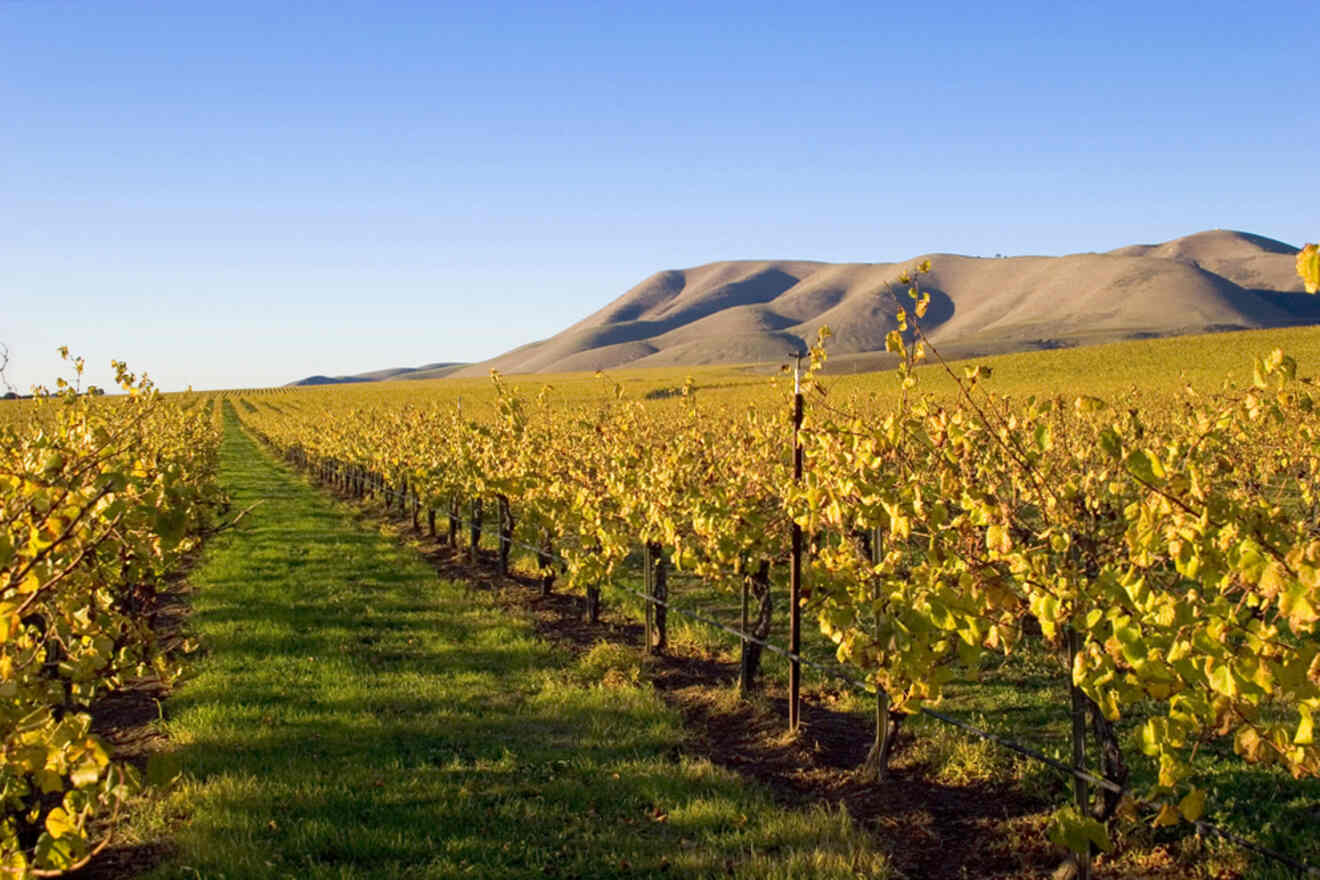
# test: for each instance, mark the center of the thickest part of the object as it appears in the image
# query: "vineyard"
(1161, 546)
(101, 502)
(1145, 545)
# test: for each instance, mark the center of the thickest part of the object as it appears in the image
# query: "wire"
(1202, 826)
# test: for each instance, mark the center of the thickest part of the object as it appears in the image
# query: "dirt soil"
(929, 830)
(127, 721)
(934, 831)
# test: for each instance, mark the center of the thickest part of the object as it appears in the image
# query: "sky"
(243, 194)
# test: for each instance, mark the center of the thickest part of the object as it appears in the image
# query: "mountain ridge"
(749, 311)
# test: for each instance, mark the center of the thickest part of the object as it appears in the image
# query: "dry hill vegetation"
(757, 311)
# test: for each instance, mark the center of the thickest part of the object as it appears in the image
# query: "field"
(374, 698)
(358, 716)
(1157, 366)
(1023, 696)
(632, 441)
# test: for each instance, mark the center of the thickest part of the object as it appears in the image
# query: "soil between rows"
(933, 831)
(929, 830)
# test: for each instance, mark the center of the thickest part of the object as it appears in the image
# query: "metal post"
(795, 569)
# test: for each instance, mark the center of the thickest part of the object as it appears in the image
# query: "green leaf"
(1221, 679)
(1110, 443)
(62, 852)
(1153, 735)
(1145, 466)
(163, 768)
(1129, 637)
(1077, 832)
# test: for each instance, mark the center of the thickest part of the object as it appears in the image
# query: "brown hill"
(1250, 261)
(429, 371)
(756, 311)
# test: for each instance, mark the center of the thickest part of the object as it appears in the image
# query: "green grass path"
(353, 715)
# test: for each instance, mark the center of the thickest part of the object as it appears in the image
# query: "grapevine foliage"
(1175, 547)
(99, 499)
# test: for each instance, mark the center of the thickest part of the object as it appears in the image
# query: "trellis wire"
(838, 674)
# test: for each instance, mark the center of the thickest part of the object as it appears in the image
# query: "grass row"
(1023, 697)
(354, 715)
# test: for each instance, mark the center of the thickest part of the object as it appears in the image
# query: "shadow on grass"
(353, 715)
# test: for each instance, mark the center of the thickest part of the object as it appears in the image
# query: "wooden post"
(1078, 746)
(795, 565)
(759, 581)
(742, 643)
(660, 590)
(646, 589)
(430, 520)
(593, 604)
(474, 530)
(546, 556)
(887, 723)
(506, 525)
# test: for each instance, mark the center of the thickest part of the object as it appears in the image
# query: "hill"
(429, 371)
(755, 311)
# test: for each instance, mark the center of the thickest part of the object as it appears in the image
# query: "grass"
(354, 715)
(1024, 697)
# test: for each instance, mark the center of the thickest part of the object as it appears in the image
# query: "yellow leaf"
(1272, 580)
(1193, 805)
(1168, 816)
(1308, 266)
(84, 773)
(60, 823)
(998, 540)
(1305, 731)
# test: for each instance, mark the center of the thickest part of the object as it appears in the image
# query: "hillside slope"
(749, 311)
(429, 371)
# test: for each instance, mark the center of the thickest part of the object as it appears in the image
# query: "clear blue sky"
(237, 194)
